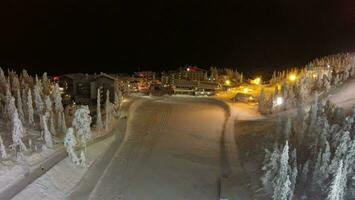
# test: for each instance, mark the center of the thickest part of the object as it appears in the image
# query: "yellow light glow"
(227, 82)
(314, 75)
(292, 77)
(256, 81)
(246, 90)
(251, 98)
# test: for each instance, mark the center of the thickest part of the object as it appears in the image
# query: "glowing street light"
(227, 82)
(279, 101)
(292, 77)
(256, 81)
(246, 90)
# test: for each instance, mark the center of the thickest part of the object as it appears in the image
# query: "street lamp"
(228, 82)
(292, 77)
(256, 81)
(279, 101)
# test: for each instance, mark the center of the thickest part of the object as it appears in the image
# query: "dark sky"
(122, 36)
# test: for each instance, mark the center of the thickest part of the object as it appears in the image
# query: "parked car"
(243, 97)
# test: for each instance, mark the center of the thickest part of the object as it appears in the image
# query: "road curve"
(172, 150)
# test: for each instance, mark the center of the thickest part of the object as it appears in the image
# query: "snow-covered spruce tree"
(52, 127)
(2, 149)
(17, 133)
(31, 120)
(107, 110)
(63, 125)
(38, 99)
(282, 183)
(270, 168)
(341, 150)
(8, 108)
(305, 172)
(58, 103)
(46, 133)
(81, 123)
(82, 159)
(69, 143)
(324, 165)
(19, 106)
(48, 104)
(24, 103)
(338, 184)
(11, 108)
(98, 110)
(294, 173)
(46, 84)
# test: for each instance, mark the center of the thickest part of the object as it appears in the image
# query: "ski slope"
(344, 95)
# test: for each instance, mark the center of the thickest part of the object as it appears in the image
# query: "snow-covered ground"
(57, 183)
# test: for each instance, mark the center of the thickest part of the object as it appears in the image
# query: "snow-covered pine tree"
(64, 124)
(270, 168)
(98, 110)
(107, 110)
(305, 172)
(2, 149)
(24, 102)
(52, 127)
(81, 123)
(58, 103)
(31, 120)
(48, 104)
(69, 143)
(46, 84)
(19, 106)
(39, 105)
(11, 108)
(337, 187)
(46, 133)
(294, 172)
(282, 183)
(82, 159)
(325, 163)
(341, 151)
(17, 133)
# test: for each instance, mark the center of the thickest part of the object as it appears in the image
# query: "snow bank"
(57, 183)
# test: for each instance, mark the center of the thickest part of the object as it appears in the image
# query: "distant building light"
(188, 69)
(279, 101)
(246, 90)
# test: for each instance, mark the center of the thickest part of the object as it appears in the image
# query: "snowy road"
(172, 150)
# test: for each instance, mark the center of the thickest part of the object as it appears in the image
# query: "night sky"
(123, 36)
